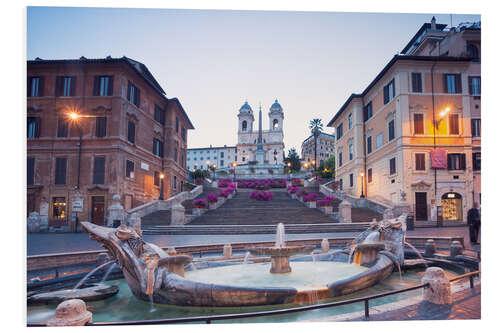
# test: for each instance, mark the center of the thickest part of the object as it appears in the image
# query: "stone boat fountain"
(156, 276)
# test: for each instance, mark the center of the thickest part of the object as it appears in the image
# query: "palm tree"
(316, 126)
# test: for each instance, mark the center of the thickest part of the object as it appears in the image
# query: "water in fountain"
(416, 251)
(107, 273)
(280, 236)
(89, 274)
(247, 255)
(151, 304)
(372, 237)
(353, 248)
(193, 266)
(313, 257)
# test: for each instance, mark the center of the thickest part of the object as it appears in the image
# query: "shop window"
(59, 207)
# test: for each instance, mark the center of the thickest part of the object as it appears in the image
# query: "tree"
(294, 159)
(327, 167)
(316, 126)
(199, 174)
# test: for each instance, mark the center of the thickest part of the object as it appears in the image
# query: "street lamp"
(288, 164)
(362, 182)
(213, 167)
(161, 185)
(234, 171)
(275, 157)
(442, 114)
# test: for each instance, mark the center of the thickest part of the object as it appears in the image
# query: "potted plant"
(200, 207)
(310, 200)
(212, 200)
(325, 206)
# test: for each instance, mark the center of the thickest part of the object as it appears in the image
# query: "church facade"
(271, 138)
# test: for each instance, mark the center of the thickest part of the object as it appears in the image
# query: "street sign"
(77, 204)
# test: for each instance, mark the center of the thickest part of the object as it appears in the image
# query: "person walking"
(474, 222)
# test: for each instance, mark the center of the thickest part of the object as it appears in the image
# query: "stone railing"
(174, 204)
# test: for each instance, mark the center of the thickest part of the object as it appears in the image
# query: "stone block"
(227, 252)
(178, 216)
(345, 208)
(456, 249)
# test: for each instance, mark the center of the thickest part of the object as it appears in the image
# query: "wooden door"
(421, 206)
(98, 210)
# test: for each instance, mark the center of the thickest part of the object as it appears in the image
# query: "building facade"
(127, 133)
(203, 158)
(272, 138)
(416, 127)
(325, 147)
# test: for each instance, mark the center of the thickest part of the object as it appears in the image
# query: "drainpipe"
(364, 179)
(434, 131)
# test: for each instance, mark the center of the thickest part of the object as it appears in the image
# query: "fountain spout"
(280, 236)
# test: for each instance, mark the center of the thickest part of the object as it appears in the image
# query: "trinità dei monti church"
(263, 147)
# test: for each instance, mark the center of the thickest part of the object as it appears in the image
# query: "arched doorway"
(452, 206)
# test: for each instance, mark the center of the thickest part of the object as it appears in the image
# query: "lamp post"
(275, 157)
(362, 183)
(161, 186)
(289, 169)
(234, 171)
(213, 169)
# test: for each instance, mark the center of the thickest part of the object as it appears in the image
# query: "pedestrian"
(474, 222)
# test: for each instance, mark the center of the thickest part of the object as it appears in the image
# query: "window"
(454, 124)
(30, 168)
(473, 52)
(339, 131)
(379, 140)
(65, 86)
(62, 127)
(476, 127)
(420, 162)
(340, 158)
(244, 125)
(416, 82)
(99, 169)
(368, 111)
(351, 154)
(369, 145)
(351, 180)
(456, 161)
(176, 125)
(35, 86)
(392, 166)
(370, 175)
(476, 161)
(158, 147)
(391, 129)
(133, 94)
(159, 115)
(100, 127)
(33, 127)
(60, 178)
(275, 124)
(129, 170)
(389, 92)
(418, 123)
(59, 207)
(131, 132)
(103, 85)
(221, 163)
(221, 154)
(475, 85)
(341, 184)
(453, 83)
(175, 154)
(157, 178)
(349, 119)
(175, 182)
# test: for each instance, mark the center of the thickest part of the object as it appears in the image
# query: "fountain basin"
(94, 292)
(175, 263)
(280, 256)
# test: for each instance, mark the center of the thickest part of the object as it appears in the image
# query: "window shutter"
(137, 97)
(110, 86)
(393, 87)
(448, 157)
(38, 127)
(73, 86)
(462, 161)
(445, 84)
(128, 91)
(96, 85)
(470, 85)
(29, 86)
(99, 169)
(386, 94)
(58, 86)
(458, 83)
(30, 168)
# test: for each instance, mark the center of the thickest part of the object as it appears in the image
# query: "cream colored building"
(325, 147)
(426, 98)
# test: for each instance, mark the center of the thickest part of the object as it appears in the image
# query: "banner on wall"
(438, 158)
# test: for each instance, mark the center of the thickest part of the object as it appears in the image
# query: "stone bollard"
(116, 211)
(430, 248)
(325, 245)
(439, 290)
(227, 252)
(456, 249)
(34, 222)
(345, 211)
(72, 312)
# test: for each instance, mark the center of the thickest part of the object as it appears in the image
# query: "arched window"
(473, 51)
(275, 123)
(244, 125)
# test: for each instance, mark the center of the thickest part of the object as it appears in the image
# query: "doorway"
(421, 206)
(452, 206)
(98, 210)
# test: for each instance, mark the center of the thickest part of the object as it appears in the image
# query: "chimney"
(433, 23)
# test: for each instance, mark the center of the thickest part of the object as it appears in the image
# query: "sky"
(214, 60)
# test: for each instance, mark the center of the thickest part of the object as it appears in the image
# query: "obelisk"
(259, 154)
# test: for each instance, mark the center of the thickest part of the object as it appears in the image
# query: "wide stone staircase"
(242, 215)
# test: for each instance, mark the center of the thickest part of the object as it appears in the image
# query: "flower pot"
(327, 210)
(311, 204)
(199, 211)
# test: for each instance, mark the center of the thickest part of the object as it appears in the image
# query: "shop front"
(451, 204)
